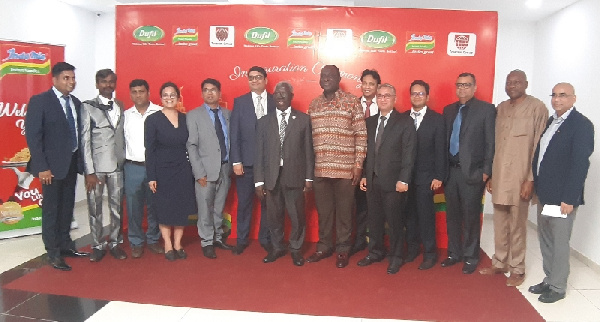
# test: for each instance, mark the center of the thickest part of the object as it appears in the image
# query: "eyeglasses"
(560, 95)
(418, 94)
(256, 77)
(167, 96)
(384, 96)
(464, 85)
(213, 90)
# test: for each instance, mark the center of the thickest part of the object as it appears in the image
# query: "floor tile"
(139, 312)
(574, 307)
(584, 278)
(195, 314)
(592, 296)
(10, 299)
(12, 318)
(57, 308)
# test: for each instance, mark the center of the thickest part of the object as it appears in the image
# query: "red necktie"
(368, 110)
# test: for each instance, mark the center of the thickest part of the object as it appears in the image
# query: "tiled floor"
(20, 255)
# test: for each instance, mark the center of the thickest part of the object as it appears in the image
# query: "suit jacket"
(396, 158)
(243, 128)
(432, 156)
(102, 143)
(565, 163)
(298, 154)
(48, 135)
(203, 144)
(477, 137)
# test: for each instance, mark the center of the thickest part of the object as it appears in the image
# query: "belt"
(455, 164)
(142, 164)
(223, 162)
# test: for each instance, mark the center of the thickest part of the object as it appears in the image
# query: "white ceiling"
(507, 9)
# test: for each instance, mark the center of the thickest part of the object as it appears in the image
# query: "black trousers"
(279, 200)
(360, 216)
(420, 220)
(245, 191)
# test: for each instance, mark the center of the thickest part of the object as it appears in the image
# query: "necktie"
(368, 110)
(416, 116)
(71, 121)
(379, 134)
(259, 107)
(455, 136)
(282, 127)
(110, 105)
(220, 134)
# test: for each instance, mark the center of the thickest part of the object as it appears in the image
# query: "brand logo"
(185, 36)
(378, 39)
(300, 39)
(339, 37)
(420, 42)
(222, 36)
(148, 33)
(261, 35)
(461, 44)
(28, 60)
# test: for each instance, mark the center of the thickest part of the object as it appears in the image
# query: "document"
(553, 211)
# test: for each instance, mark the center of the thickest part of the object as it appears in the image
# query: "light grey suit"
(103, 154)
(205, 157)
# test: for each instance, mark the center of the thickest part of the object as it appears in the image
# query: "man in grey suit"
(208, 150)
(103, 154)
(283, 170)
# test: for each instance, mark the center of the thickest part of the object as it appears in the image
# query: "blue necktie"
(455, 136)
(71, 121)
(220, 134)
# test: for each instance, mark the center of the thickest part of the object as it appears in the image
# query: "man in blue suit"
(560, 166)
(247, 109)
(52, 133)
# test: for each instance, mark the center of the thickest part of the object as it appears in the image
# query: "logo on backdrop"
(461, 44)
(185, 36)
(148, 36)
(378, 39)
(24, 60)
(420, 42)
(261, 37)
(222, 36)
(301, 39)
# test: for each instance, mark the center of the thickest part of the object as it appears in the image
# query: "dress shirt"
(263, 100)
(223, 126)
(547, 136)
(63, 104)
(373, 108)
(420, 117)
(113, 113)
(134, 132)
(387, 118)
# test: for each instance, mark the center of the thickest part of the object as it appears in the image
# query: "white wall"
(566, 45)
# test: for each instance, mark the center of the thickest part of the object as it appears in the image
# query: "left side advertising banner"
(24, 72)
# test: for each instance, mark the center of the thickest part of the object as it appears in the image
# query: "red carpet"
(245, 283)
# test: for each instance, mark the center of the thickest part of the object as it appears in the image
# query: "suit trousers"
(211, 202)
(463, 216)
(510, 236)
(385, 206)
(334, 199)
(555, 234)
(138, 194)
(360, 216)
(57, 211)
(420, 221)
(245, 192)
(114, 186)
(278, 200)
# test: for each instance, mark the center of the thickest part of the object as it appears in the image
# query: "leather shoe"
(267, 247)
(492, 270)
(539, 288)
(449, 261)
(551, 296)
(137, 251)
(469, 268)
(342, 260)
(395, 265)
(368, 260)
(427, 263)
(239, 249)
(181, 254)
(209, 252)
(73, 253)
(171, 256)
(515, 279)
(118, 253)
(411, 256)
(60, 264)
(357, 248)
(274, 255)
(97, 255)
(223, 245)
(297, 258)
(156, 248)
(317, 256)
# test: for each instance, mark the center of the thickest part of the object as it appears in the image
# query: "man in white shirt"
(137, 192)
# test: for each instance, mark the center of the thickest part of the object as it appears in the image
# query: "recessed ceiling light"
(533, 4)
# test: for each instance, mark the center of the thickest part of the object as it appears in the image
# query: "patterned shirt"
(339, 135)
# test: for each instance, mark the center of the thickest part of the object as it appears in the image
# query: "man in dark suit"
(52, 133)
(284, 169)
(247, 109)
(429, 173)
(560, 166)
(470, 125)
(391, 151)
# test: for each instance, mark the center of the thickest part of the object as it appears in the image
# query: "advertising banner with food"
(24, 72)
(186, 44)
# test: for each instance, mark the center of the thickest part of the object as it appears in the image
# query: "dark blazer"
(432, 156)
(48, 135)
(477, 137)
(565, 163)
(243, 128)
(298, 154)
(396, 158)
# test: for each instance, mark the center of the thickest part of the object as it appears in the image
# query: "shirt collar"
(287, 111)
(151, 108)
(57, 93)
(565, 115)
(104, 100)
(422, 111)
(364, 100)
(262, 95)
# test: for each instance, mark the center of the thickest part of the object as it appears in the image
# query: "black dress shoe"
(449, 261)
(239, 249)
(539, 288)
(171, 256)
(181, 254)
(427, 264)
(118, 253)
(97, 255)
(60, 264)
(469, 268)
(223, 245)
(274, 255)
(297, 258)
(551, 296)
(317, 256)
(209, 252)
(267, 247)
(73, 253)
(342, 260)
(395, 265)
(368, 260)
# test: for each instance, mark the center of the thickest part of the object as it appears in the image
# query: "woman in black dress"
(169, 171)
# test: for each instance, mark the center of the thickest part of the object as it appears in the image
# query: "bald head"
(516, 84)
(563, 98)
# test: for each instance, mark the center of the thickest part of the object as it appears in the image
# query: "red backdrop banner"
(188, 43)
